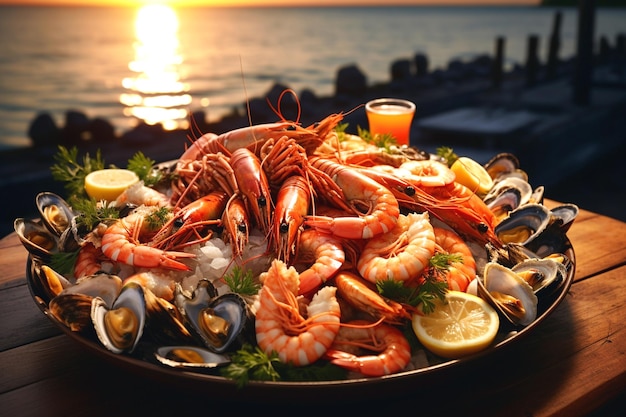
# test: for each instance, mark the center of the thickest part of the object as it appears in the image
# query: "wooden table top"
(572, 364)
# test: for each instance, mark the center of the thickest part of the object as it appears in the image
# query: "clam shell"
(503, 280)
(73, 310)
(102, 285)
(131, 296)
(190, 357)
(546, 275)
(229, 308)
(165, 324)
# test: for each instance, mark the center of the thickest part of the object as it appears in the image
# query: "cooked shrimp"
(427, 172)
(393, 352)
(282, 329)
(377, 206)
(357, 293)
(459, 274)
(324, 254)
(161, 284)
(88, 261)
(138, 194)
(401, 254)
(120, 242)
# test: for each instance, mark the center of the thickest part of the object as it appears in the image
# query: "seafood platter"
(318, 255)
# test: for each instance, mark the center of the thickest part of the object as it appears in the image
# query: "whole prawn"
(292, 205)
(389, 351)
(120, 242)
(188, 225)
(458, 274)
(253, 186)
(281, 328)
(236, 222)
(323, 256)
(358, 293)
(363, 195)
(400, 254)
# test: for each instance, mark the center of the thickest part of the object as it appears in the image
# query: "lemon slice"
(463, 325)
(472, 175)
(108, 184)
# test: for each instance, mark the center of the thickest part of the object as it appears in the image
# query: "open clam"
(190, 357)
(565, 214)
(543, 275)
(119, 327)
(511, 295)
(220, 322)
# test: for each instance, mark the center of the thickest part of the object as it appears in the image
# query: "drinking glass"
(391, 115)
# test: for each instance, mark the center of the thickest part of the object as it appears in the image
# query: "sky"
(266, 2)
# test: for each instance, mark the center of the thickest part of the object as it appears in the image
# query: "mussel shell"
(131, 296)
(501, 164)
(229, 307)
(46, 282)
(36, 238)
(534, 217)
(56, 214)
(508, 183)
(498, 278)
(505, 202)
(565, 214)
(192, 357)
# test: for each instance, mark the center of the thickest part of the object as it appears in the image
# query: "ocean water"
(125, 64)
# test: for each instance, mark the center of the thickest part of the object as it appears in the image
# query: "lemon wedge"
(108, 184)
(472, 175)
(462, 325)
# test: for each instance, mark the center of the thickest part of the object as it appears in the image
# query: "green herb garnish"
(143, 167)
(251, 363)
(385, 140)
(242, 283)
(158, 218)
(63, 262)
(70, 171)
(447, 154)
(92, 213)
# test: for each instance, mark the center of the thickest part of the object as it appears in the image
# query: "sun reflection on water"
(156, 93)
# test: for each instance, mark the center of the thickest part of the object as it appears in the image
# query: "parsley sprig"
(433, 288)
(69, 170)
(251, 363)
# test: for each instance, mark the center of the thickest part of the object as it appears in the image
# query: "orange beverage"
(391, 115)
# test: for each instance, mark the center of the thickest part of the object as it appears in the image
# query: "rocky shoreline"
(24, 172)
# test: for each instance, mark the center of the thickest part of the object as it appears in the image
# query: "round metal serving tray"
(293, 391)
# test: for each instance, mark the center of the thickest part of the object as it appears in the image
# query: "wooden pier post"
(498, 63)
(554, 46)
(532, 60)
(584, 52)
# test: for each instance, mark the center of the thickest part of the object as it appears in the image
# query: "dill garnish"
(240, 282)
(385, 140)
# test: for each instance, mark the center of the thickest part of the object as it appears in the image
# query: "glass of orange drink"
(391, 115)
